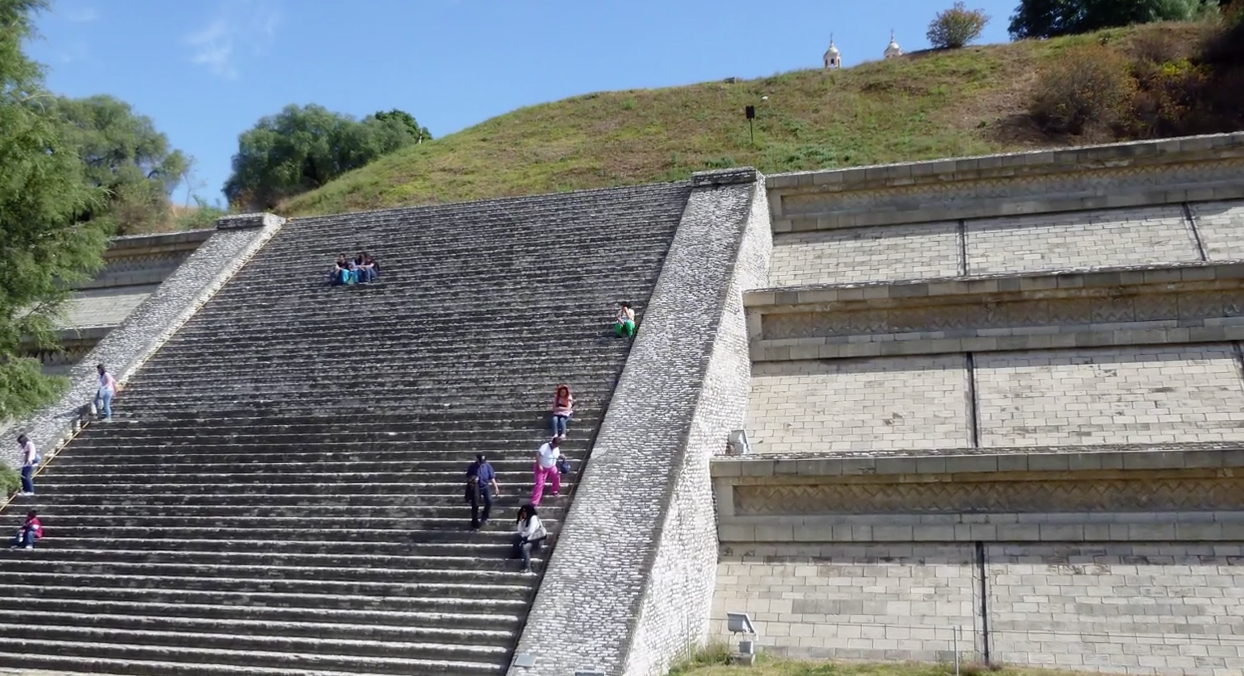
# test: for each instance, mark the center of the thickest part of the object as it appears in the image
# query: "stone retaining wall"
(1169, 171)
(630, 583)
(127, 347)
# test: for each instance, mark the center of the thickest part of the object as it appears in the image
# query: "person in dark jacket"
(481, 487)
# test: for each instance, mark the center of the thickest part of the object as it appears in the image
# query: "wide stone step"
(48, 501)
(422, 478)
(268, 599)
(482, 550)
(468, 624)
(517, 465)
(257, 530)
(329, 631)
(230, 557)
(429, 590)
(410, 575)
(172, 508)
(223, 637)
(155, 660)
(227, 491)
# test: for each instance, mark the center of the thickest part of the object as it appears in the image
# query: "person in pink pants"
(546, 469)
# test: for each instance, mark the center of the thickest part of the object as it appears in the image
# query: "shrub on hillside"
(956, 27)
(1084, 89)
(9, 481)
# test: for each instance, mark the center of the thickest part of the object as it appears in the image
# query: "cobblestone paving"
(1079, 240)
(864, 405)
(866, 255)
(1110, 396)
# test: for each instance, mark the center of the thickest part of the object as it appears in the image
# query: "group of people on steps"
(364, 269)
(548, 467)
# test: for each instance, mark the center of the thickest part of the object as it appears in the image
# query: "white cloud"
(82, 15)
(214, 46)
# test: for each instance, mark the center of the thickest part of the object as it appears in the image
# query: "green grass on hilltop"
(922, 106)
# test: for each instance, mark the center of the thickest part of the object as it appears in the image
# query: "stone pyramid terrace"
(281, 490)
(993, 409)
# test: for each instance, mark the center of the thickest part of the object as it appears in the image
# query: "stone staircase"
(280, 492)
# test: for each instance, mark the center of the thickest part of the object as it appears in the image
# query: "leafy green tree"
(123, 153)
(956, 27)
(302, 148)
(1052, 18)
(47, 238)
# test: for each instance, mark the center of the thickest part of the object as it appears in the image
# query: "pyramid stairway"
(280, 491)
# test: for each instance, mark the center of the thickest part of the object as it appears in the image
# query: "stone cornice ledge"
(982, 288)
(1062, 161)
(943, 464)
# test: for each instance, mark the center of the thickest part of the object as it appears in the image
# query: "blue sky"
(206, 70)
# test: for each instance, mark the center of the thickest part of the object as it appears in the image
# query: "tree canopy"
(123, 153)
(302, 148)
(1052, 18)
(47, 236)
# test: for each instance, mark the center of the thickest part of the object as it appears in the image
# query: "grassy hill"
(922, 106)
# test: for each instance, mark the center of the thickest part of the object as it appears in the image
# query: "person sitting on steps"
(563, 408)
(546, 470)
(529, 536)
(30, 531)
(365, 267)
(624, 324)
(30, 460)
(107, 390)
(340, 272)
(481, 487)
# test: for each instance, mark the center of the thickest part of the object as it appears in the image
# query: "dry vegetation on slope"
(923, 106)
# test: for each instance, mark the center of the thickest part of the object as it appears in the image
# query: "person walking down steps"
(529, 536)
(481, 487)
(107, 390)
(546, 470)
(30, 460)
(563, 408)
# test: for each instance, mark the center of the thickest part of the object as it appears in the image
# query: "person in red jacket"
(30, 531)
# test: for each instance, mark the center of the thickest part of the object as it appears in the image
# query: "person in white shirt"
(30, 458)
(546, 470)
(529, 535)
(107, 390)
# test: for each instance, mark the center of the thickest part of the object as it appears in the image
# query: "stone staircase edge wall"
(721, 408)
(606, 587)
(126, 348)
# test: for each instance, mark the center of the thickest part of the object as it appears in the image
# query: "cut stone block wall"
(866, 255)
(1123, 608)
(860, 405)
(1111, 396)
(1117, 237)
(1122, 175)
(1151, 608)
(630, 583)
(152, 323)
(866, 602)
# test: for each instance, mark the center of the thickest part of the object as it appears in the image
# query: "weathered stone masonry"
(632, 576)
(131, 344)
